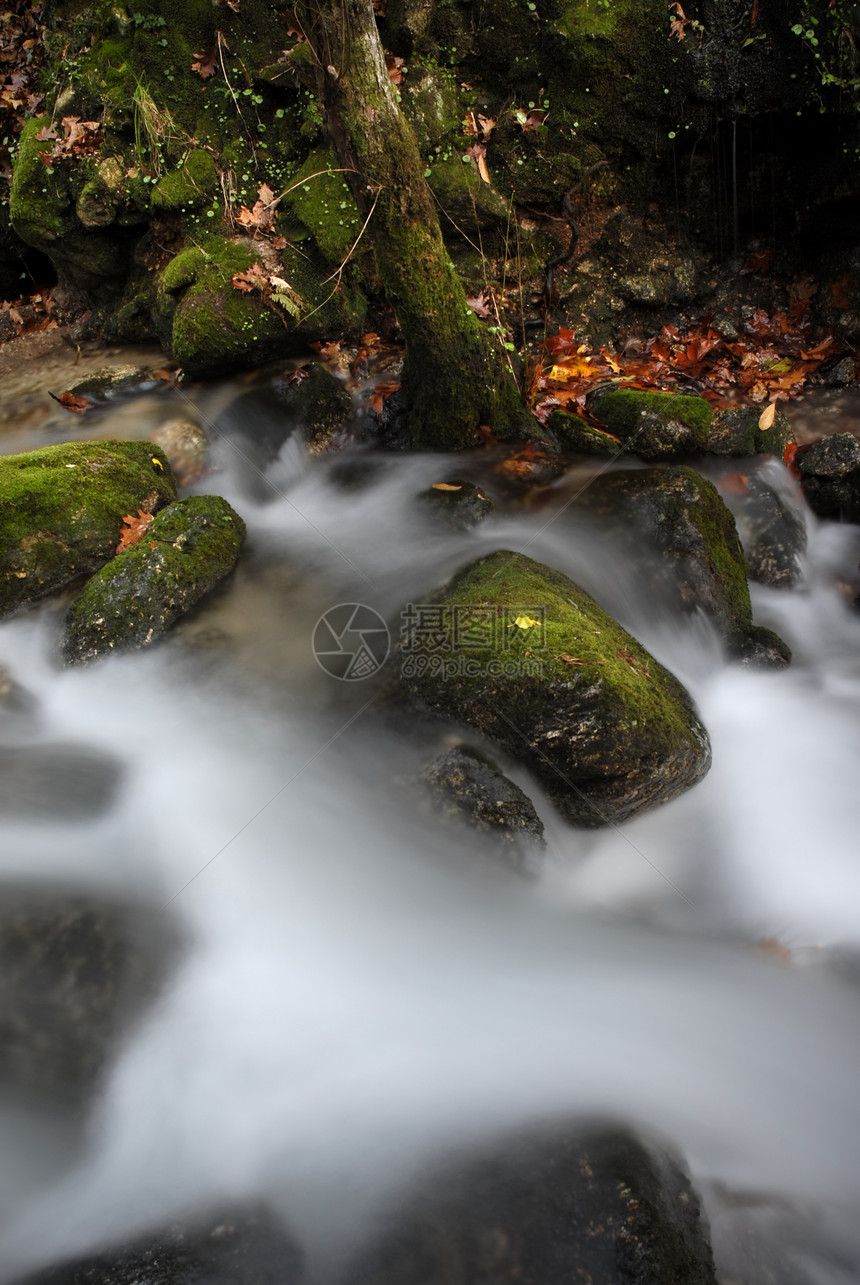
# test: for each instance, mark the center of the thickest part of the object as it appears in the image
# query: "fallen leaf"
(478, 304)
(572, 660)
(135, 527)
(80, 405)
(478, 154)
(734, 484)
(525, 622)
(394, 67)
(445, 486)
(766, 418)
(382, 392)
(206, 61)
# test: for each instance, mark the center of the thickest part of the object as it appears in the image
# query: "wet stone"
(459, 504)
(185, 445)
(772, 532)
(830, 477)
(465, 786)
(551, 1208)
(234, 1247)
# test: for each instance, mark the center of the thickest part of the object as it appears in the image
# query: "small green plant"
(151, 125)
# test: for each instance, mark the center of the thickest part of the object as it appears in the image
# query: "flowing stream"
(359, 990)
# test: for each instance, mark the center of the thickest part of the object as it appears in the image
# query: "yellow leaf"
(525, 622)
(445, 486)
(766, 418)
(482, 169)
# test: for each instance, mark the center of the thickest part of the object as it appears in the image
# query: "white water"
(360, 993)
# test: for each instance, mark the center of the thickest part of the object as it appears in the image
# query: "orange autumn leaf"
(766, 418)
(134, 528)
(79, 405)
(382, 392)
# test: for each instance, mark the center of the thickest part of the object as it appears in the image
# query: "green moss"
(580, 436)
(40, 205)
(620, 408)
(651, 424)
(324, 204)
(189, 547)
(61, 510)
(190, 187)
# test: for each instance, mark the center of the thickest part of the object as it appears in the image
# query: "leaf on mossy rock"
(134, 528)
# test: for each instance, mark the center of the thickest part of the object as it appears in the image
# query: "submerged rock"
(185, 445)
(234, 1247)
(318, 402)
(459, 504)
(61, 511)
(186, 551)
(113, 381)
(56, 782)
(772, 532)
(682, 517)
(735, 431)
(74, 970)
(468, 787)
(653, 425)
(554, 1208)
(536, 666)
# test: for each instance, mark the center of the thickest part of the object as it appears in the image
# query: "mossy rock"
(538, 667)
(735, 431)
(681, 516)
(189, 187)
(459, 505)
(322, 201)
(187, 550)
(580, 436)
(653, 425)
(212, 328)
(466, 199)
(61, 511)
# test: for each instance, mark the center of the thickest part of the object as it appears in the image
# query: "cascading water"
(358, 992)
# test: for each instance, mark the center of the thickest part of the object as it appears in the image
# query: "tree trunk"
(454, 378)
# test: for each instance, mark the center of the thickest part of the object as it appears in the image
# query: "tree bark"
(455, 379)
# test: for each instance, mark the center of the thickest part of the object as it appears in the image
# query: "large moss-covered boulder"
(554, 1208)
(185, 552)
(653, 425)
(702, 567)
(62, 509)
(534, 664)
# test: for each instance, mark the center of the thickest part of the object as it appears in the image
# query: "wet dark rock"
(74, 971)
(188, 549)
(681, 516)
(842, 374)
(772, 532)
(539, 668)
(238, 1247)
(185, 444)
(831, 457)
(459, 504)
(56, 782)
(763, 647)
(652, 425)
(319, 403)
(735, 431)
(466, 786)
(553, 1208)
(830, 477)
(61, 511)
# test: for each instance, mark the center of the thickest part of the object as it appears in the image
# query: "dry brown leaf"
(445, 486)
(135, 527)
(766, 418)
(79, 405)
